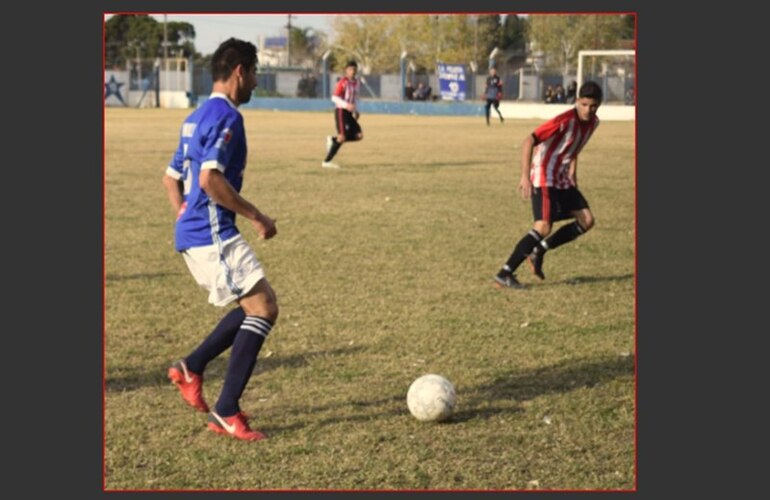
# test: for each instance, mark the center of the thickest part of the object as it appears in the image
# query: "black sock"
(499, 113)
(523, 248)
(217, 342)
(333, 151)
(487, 112)
(565, 234)
(243, 358)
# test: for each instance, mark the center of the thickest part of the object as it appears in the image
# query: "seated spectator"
(312, 83)
(559, 96)
(550, 95)
(422, 92)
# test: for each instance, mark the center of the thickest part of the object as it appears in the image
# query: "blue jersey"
(211, 137)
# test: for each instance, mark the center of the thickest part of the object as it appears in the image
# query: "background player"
(346, 114)
(493, 92)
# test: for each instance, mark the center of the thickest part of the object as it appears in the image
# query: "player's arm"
(222, 192)
(525, 184)
(174, 192)
(572, 172)
(337, 99)
(172, 180)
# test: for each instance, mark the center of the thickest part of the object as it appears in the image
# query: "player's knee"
(340, 138)
(359, 136)
(267, 309)
(586, 221)
(261, 301)
(543, 228)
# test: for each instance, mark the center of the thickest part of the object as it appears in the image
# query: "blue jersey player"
(203, 183)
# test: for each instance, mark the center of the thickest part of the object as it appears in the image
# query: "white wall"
(610, 112)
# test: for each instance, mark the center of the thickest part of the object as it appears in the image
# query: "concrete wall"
(509, 109)
(609, 112)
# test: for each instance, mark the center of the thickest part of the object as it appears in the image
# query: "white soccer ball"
(431, 398)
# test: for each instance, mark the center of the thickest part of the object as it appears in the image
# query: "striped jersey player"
(549, 162)
(346, 114)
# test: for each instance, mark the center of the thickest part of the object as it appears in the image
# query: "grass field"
(383, 271)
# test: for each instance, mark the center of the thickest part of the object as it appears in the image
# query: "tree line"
(377, 41)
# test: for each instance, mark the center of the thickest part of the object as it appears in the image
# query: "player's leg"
(573, 205)
(187, 373)
(261, 312)
(541, 209)
(334, 144)
(354, 130)
(486, 109)
(584, 221)
(497, 108)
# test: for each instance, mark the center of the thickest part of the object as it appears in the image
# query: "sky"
(213, 29)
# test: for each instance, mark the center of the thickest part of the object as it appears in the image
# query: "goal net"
(614, 70)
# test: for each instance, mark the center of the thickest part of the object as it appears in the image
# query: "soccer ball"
(431, 398)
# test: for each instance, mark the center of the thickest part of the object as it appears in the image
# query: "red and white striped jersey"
(557, 142)
(346, 91)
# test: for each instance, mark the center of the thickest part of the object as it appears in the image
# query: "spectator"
(559, 94)
(422, 93)
(310, 86)
(550, 95)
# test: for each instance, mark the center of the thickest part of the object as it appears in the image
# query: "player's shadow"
(582, 280)
(523, 385)
(157, 376)
(139, 276)
(479, 401)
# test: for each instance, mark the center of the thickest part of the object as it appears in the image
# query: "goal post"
(617, 74)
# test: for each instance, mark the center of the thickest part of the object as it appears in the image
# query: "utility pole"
(476, 40)
(288, 42)
(165, 47)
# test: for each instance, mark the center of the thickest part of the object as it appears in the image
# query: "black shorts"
(493, 102)
(551, 204)
(346, 124)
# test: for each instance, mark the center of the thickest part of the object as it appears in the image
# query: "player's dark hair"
(230, 54)
(352, 63)
(592, 90)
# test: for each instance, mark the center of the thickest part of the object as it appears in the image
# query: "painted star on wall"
(113, 88)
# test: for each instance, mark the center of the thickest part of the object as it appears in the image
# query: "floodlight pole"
(165, 51)
(403, 74)
(325, 86)
(492, 57)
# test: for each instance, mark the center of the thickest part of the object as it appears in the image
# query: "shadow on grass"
(140, 276)
(581, 280)
(515, 386)
(407, 166)
(518, 386)
(216, 369)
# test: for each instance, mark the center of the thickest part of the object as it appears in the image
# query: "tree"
(366, 38)
(561, 37)
(514, 33)
(490, 31)
(377, 41)
(128, 36)
(307, 45)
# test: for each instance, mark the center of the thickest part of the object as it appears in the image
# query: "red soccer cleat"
(190, 385)
(234, 426)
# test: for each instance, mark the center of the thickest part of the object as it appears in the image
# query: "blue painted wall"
(438, 108)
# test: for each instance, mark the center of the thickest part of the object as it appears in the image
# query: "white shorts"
(228, 270)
